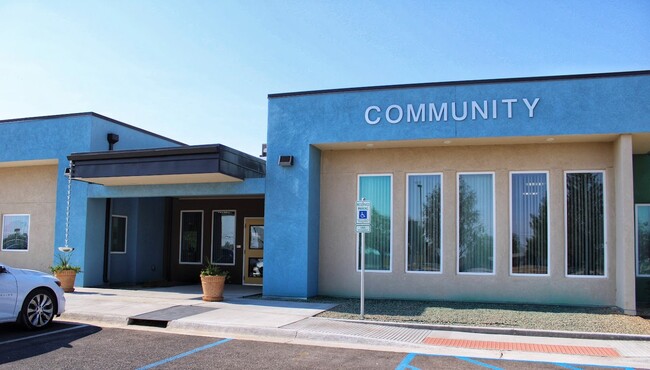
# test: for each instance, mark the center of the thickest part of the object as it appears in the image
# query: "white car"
(29, 297)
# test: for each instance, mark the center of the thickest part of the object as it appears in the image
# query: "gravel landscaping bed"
(540, 317)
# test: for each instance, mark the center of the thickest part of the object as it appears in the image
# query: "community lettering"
(442, 112)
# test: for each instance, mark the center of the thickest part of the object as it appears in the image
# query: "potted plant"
(64, 271)
(213, 280)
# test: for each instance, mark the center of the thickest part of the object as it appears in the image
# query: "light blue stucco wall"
(56, 137)
(611, 104)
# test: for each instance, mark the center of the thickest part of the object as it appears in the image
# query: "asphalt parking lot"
(70, 345)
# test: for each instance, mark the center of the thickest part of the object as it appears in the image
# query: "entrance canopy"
(178, 165)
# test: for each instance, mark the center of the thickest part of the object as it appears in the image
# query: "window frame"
(392, 224)
(234, 257)
(566, 229)
(494, 235)
(548, 224)
(406, 227)
(636, 238)
(29, 228)
(180, 237)
(126, 228)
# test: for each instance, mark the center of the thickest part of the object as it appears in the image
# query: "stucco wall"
(339, 171)
(31, 190)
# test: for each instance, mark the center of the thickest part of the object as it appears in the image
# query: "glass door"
(253, 250)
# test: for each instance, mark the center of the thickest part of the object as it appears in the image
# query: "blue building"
(530, 190)
(514, 190)
(143, 208)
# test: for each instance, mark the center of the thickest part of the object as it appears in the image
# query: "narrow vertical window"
(377, 190)
(476, 223)
(118, 234)
(529, 223)
(585, 224)
(424, 223)
(223, 237)
(643, 240)
(191, 243)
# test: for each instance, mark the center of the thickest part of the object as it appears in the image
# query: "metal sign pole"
(363, 270)
(363, 226)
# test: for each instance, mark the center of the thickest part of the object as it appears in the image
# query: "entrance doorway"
(253, 250)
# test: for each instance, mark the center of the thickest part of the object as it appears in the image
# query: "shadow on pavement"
(17, 343)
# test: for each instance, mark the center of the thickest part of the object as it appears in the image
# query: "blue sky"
(200, 71)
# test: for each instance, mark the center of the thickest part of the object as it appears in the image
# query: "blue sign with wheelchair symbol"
(363, 213)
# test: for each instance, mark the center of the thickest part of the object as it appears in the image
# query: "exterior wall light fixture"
(285, 160)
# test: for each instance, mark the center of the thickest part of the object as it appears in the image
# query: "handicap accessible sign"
(362, 223)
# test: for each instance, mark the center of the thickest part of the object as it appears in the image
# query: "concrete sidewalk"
(180, 310)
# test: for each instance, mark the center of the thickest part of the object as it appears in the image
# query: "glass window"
(191, 243)
(256, 267)
(529, 223)
(476, 223)
(223, 237)
(377, 190)
(585, 224)
(118, 234)
(643, 240)
(15, 232)
(424, 225)
(256, 237)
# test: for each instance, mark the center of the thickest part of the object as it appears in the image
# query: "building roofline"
(97, 115)
(460, 83)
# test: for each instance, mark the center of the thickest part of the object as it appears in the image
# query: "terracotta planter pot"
(213, 288)
(67, 279)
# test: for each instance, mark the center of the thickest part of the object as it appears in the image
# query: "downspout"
(112, 140)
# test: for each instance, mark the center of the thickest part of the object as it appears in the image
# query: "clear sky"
(200, 71)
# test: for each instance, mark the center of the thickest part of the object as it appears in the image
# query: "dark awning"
(175, 165)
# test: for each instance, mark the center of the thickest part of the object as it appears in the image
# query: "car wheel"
(38, 309)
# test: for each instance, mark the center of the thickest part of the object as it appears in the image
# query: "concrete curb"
(282, 334)
(111, 320)
(227, 331)
(119, 320)
(504, 331)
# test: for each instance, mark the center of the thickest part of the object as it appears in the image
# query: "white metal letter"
(494, 109)
(433, 112)
(509, 102)
(375, 121)
(453, 111)
(399, 116)
(531, 107)
(476, 107)
(410, 113)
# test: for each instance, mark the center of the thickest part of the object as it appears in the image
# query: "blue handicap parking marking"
(363, 215)
(406, 363)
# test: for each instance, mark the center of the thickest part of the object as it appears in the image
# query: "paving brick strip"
(526, 347)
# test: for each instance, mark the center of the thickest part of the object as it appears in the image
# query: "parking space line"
(44, 334)
(566, 366)
(405, 364)
(181, 355)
